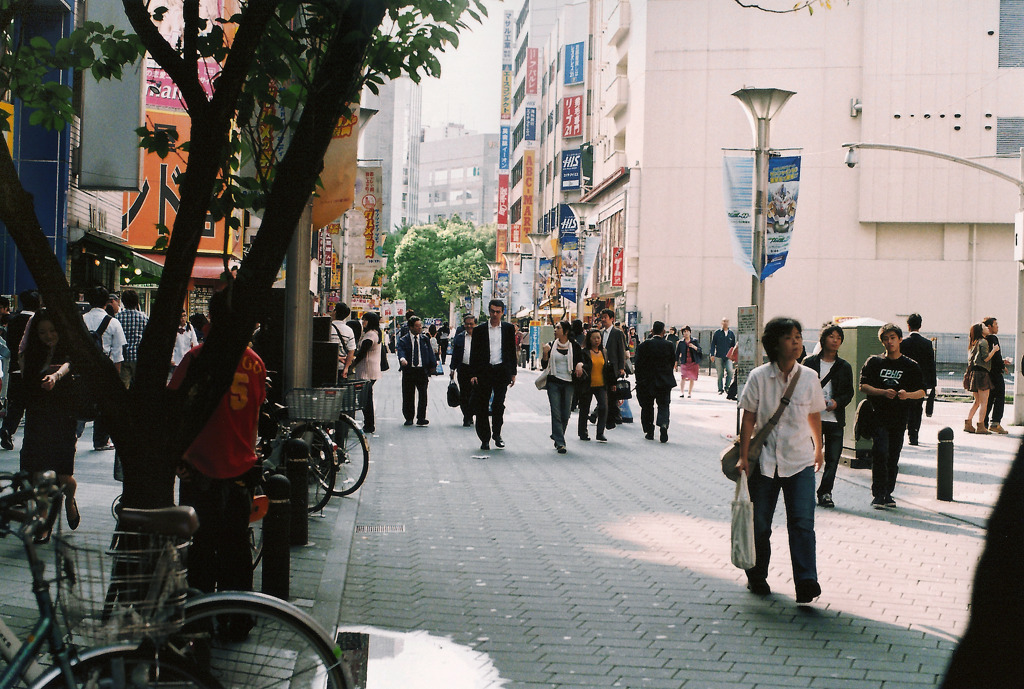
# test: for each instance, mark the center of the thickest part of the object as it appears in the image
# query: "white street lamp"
(851, 161)
(580, 209)
(761, 105)
(510, 261)
(535, 239)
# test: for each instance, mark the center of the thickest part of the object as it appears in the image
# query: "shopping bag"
(742, 526)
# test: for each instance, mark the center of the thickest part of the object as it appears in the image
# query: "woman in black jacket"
(836, 376)
(564, 362)
(598, 375)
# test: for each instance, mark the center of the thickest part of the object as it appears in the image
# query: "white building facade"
(458, 175)
(897, 234)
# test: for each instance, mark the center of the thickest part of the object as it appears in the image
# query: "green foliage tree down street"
(289, 71)
(435, 264)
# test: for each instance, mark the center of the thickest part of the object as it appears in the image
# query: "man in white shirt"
(492, 372)
(462, 345)
(342, 333)
(112, 342)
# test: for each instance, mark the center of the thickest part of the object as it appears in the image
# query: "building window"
(517, 174)
(520, 96)
(521, 55)
(518, 133)
(1009, 134)
(1011, 33)
(515, 211)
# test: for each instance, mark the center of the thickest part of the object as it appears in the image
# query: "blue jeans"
(560, 398)
(724, 366)
(798, 493)
(833, 435)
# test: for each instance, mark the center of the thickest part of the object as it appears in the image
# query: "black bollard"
(944, 473)
(297, 452)
(276, 548)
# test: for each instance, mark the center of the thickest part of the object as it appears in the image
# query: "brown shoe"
(996, 428)
(981, 430)
(968, 426)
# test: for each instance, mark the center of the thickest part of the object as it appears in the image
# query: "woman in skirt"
(49, 440)
(688, 356)
(977, 380)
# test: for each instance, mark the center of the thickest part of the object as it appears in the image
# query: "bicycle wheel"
(353, 454)
(129, 667)
(322, 474)
(249, 641)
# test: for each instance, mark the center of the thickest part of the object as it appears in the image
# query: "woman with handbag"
(977, 380)
(49, 439)
(598, 373)
(790, 394)
(367, 364)
(562, 361)
(688, 356)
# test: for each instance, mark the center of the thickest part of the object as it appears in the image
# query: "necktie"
(416, 350)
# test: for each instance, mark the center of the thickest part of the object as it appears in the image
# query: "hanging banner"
(738, 186)
(783, 189)
(591, 248)
(368, 203)
(529, 188)
(617, 266)
(574, 63)
(572, 117)
(339, 172)
(571, 169)
(569, 254)
(532, 60)
(504, 147)
(503, 200)
(530, 124)
(501, 245)
(501, 287)
(506, 94)
(506, 40)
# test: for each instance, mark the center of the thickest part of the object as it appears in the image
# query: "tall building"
(896, 234)
(392, 136)
(458, 175)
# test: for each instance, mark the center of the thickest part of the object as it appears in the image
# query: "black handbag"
(622, 390)
(454, 396)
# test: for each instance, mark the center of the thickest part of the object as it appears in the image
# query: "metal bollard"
(276, 548)
(944, 473)
(297, 452)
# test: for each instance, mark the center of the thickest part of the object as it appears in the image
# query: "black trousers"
(914, 411)
(646, 398)
(219, 557)
(494, 381)
(15, 403)
(465, 392)
(996, 399)
(414, 380)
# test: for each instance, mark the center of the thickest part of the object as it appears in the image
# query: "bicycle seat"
(180, 521)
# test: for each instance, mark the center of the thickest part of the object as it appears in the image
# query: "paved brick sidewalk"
(609, 566)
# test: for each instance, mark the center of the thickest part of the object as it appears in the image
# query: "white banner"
(738, 187)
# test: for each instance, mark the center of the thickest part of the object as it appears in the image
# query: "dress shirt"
(467, 345)
(113, 336)
(494, 338)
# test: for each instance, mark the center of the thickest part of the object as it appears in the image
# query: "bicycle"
(134, 588)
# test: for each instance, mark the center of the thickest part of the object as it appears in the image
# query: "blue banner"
(504, 144)
(569, 255)
(530, 124)
(535, 343)
(574, 63)
(783, 190)
(571, 169)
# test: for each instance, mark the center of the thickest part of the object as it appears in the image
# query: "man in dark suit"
(614, 342)
(919, 348)
(655, 359)
(492, 370)
(417, 361)
(460, 366)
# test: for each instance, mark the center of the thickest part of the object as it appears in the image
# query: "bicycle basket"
(122, 587)
(326, 404)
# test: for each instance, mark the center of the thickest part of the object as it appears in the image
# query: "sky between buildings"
(469, 90)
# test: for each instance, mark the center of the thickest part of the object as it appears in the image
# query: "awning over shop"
(204, 268)
(136, 267)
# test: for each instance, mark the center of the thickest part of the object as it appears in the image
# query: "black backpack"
(865, 420)
(97, 334)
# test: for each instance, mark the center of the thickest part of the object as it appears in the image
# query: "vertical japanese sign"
(506, 94)
(572, 117)
(571, 169)
(503, 200)
(368, 203)
(783, 189)
(530, 124)
(738, 187)
(502, 286)
(574, 56)
(504, 147)
(501, 245)
(529, 187)
(532, 60)
(569, 255)
(506, 40)
(617, 265)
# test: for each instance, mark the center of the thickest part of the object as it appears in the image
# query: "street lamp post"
(510, 260)
(535, 239)
(851, 160)
(580, 208)
(761, 105)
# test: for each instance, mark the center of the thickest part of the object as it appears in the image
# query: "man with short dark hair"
(722, 341)
(112, 342)
(462, 346)
(997, 395)
(919, 348)
(133, 321)
(614, 342)
(417, 361)
(655, 359)
(29, 301)
(890, 381)
(492, 366)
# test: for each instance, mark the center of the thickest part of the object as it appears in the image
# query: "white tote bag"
(743, 526)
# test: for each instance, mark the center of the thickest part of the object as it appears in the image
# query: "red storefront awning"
(204, 268)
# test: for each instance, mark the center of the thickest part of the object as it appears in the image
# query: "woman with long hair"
(367, 364)
(977, 380)
(597, 374)
(563, 360)
(49, 439)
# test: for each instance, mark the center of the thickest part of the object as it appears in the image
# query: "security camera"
(851, 157)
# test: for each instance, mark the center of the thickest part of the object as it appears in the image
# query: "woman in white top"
(367, 364)
(791, 454)
(563, 360)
